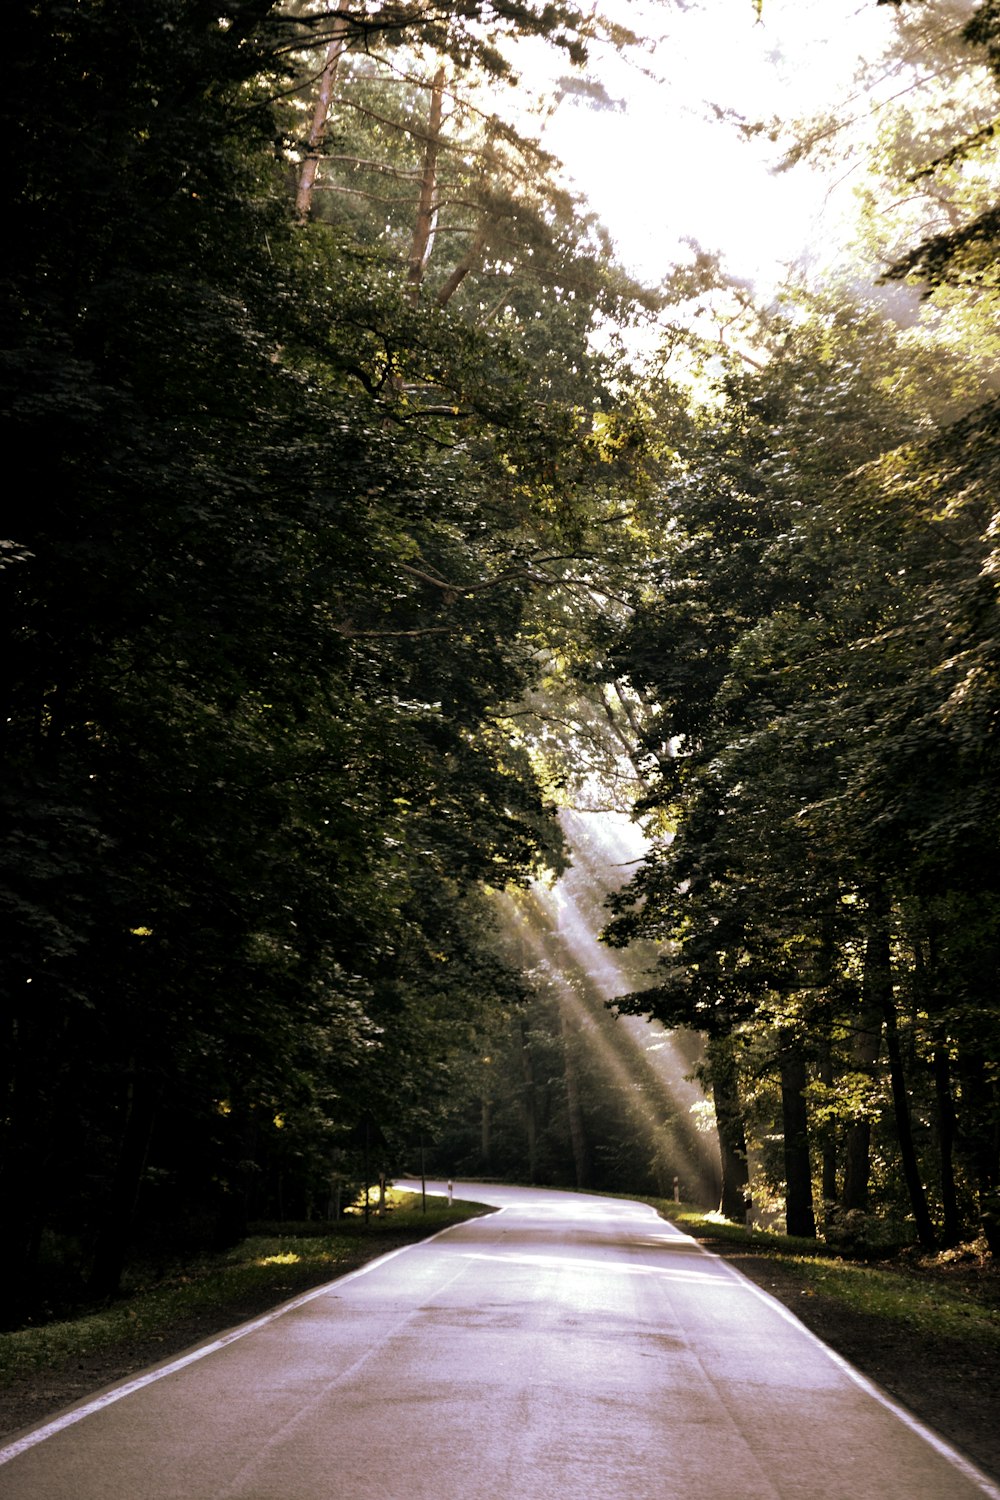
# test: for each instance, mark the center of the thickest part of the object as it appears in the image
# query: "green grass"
(709, 1226)
(263, 1270)
(937, 1295)
(278, 1261)
(918, 1299)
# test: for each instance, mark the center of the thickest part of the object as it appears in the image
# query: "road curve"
(564, 1348)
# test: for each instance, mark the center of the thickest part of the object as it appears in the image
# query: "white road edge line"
(951, 1455)
(964, 1465)
(117, 1393)
(159, 1372)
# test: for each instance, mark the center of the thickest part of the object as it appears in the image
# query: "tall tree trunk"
(978, 1139)
(530, 1104)
(799, 1216)
(925, 973)
(952, 1229)
(25, 1170)
(321, 111)
(577, 1129)
(866, 1046)
(112, 1241)
(485, 1131)
(469, 261)
(904, 1130)
(729, 1124)
(426, 220)
(827, 972)
(829, 1133)
(878, 987)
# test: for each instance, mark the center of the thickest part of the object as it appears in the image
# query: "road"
(564, 1348)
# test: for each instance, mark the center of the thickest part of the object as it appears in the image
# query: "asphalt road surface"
(567, 1347)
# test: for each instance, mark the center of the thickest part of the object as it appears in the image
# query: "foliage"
(270, 588)
(824, 616)
(260, 1271)
(346, 542)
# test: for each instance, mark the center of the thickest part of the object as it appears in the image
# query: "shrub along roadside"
(194, 1301)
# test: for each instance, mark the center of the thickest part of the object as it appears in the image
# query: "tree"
(775, 643)
(268, 606)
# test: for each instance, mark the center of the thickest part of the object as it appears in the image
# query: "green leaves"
(270, 584)
(819, 643)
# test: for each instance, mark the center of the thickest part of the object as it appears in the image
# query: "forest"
(366, 521)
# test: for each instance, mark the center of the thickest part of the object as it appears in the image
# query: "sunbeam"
(557, 927)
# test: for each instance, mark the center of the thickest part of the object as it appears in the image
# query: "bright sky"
(663, 166)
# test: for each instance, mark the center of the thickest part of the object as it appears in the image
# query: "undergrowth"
(273, 1264)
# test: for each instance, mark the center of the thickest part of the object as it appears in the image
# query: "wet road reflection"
(563, 1348)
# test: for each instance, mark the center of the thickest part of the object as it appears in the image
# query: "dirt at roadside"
(955, 1393)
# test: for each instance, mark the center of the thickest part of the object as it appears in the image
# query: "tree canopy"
(346, 543)
(281, 516)
(816, 647)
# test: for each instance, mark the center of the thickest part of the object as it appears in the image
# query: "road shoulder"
(950, 1385)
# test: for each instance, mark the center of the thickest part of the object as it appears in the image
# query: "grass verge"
(954, 1294)
(917, 1297)
(215, 1291)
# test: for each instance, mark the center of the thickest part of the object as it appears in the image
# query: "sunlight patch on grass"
(265, 1269)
